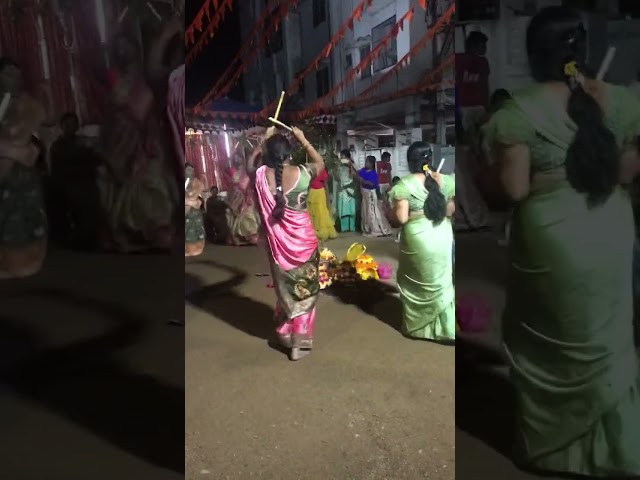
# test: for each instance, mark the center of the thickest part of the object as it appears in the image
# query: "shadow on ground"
(223, 302)
(374, 298)
(86, 384)
(485, 403)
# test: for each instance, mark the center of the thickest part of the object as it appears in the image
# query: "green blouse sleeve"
(399, 192)
(448, 188)
(623, 113)
(508, 126)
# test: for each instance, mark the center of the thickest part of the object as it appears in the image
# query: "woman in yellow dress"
(317, 205)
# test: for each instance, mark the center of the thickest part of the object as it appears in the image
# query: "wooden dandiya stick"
(4, 105)
(123, 14)
(279, 105)
(154, 11)
(280, 124)
(606, 63)
(440, 166)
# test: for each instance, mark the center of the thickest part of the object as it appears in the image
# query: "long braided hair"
(419, 155)
(277, 151)
(557, 49)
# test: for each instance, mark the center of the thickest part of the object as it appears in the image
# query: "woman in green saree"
(567, 327)
(423, 203)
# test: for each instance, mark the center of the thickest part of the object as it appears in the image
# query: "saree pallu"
(242, 216)
(138, 191)
(292, 248)
(374, 220)
(568, 319)
(320, 214)
(425, 280)
(425, 267)
(567, 332)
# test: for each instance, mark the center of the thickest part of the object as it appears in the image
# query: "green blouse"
(411, 189)
(535, 118)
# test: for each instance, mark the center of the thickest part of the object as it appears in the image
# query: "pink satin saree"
(293, 255)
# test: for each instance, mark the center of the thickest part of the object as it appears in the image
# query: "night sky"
(212, 61)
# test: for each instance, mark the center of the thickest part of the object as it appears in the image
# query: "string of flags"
(431, 81)
(317, 106)
(220, 9)
(250, 49)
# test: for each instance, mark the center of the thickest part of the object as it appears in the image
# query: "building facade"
(391, 126)
(301, 35)
(609, 23)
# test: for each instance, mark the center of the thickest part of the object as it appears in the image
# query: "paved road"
(484, 401)
(367, 404)
(91, 376)
(86, 355)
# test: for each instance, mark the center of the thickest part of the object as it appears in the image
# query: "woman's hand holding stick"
(280, 124)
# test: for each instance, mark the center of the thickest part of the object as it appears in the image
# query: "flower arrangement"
(355, 267)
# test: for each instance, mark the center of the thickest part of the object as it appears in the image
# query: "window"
(477, 10)
(388, 56)
(322, 82)
(366, 70)
(319, 12)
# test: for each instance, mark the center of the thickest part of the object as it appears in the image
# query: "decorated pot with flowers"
(366, 267)
(324, 276)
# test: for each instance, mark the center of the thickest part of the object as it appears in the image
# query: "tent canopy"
(235, 115)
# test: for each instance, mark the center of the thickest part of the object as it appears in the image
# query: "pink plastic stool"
(473, 314)
(385, 271)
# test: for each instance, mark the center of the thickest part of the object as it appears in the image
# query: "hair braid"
(278, 211)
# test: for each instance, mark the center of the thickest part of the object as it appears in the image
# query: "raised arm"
(316, 162)
(156, 67)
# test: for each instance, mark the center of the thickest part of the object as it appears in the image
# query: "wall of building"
(380, 11)
(302, 42)
(506, 48)
(313, 40)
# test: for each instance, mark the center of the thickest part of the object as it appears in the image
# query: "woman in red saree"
(292, 245)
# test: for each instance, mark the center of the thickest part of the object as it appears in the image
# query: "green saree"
(425, 269)
(567, 326)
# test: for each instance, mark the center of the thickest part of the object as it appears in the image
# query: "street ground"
(367, 404)
(92, 377)
(484, 399)
(86, 353)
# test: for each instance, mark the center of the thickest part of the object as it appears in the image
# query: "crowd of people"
(287, 205)
(120, 193)
(560, 157)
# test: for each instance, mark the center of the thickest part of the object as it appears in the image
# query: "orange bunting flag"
(423, 4)
(357, 13)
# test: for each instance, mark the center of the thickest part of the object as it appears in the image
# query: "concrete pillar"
(412, 117)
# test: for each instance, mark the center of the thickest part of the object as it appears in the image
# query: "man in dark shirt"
(73, 201)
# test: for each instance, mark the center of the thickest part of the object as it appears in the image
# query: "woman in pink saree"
(292, 245)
